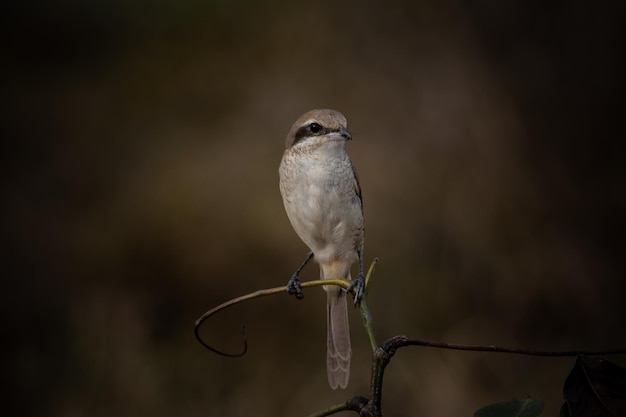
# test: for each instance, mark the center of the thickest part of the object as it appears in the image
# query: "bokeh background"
(142, 143)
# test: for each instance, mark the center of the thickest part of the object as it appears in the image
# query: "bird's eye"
(315, 128)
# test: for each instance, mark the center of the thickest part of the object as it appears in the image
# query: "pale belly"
(329, 222)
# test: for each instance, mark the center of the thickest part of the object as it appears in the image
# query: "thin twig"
(401, 341)
(364, 308)
(260, 293)
(384, 353)
(370, 273)
(356, 404)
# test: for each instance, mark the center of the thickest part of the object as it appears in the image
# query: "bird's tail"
(339, 349)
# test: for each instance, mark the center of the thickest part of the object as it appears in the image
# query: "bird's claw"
(358, 287)
(294, 288)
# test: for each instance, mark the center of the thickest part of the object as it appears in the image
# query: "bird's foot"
(358, 287)
(294, 288)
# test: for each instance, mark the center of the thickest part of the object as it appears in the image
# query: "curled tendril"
(260, 293)
(201, 320)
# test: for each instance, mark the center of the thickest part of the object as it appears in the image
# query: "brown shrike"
(322, 197)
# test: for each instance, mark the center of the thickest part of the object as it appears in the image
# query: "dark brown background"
(140, 182)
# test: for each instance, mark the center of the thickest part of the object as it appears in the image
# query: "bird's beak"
(342, 135)
(345, 133)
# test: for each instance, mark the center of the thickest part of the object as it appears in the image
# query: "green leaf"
(528, 407)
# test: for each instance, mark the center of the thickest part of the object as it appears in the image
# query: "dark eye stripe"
(307, 131)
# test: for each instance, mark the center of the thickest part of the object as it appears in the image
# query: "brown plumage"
(322, 198)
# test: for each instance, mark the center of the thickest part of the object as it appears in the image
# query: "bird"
(322, 197)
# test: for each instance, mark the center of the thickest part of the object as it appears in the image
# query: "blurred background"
(142, 143)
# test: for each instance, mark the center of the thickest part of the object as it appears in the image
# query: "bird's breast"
(319, 198)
